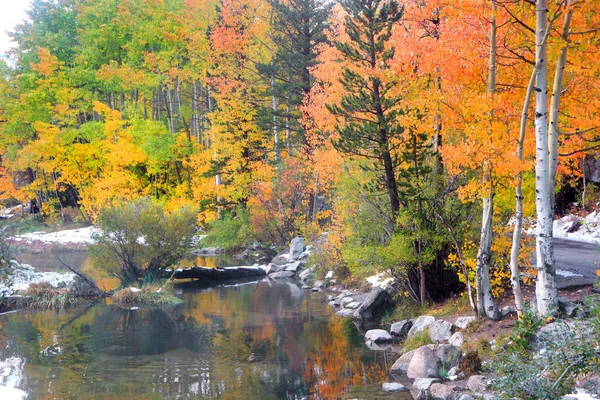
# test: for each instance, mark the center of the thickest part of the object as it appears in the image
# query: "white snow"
(566, 274)
(380, 280)
(22, 275)
(588, 232)
(11, 375)
(82, 235)
(581, 394)
(135, 290)
(329, 275)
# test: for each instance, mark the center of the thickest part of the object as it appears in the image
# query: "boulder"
(477, 383)
(282, 275)
(346, 313)
(424, 383)
(353, 305)
(272, 268)
(393, 387)
(400, 329)
(346, 300)
(378, 336)
(440, 331)
(309, 287)
(439, 391)
(402, 363)
(424, 364)
(567, 308)
(305, 274)
(505, 311)
(448, 355)
(420, 324)
(375, 302)
(318, 285)
(463, 322)
(296, 248)
(457, 339)
(281, 259)
(293, 267)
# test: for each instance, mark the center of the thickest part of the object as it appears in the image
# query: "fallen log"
(219, 274)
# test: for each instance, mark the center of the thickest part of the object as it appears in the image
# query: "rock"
(353, 305)
(315, 289)
(305, 274)
(568, 224)
(463, 322)
(477, 383)
(439, 391)
(448, 355)
(329, 275)
(338, 299)
(378, 336)
(272, 268)
(377, 300)
(393, 387)
(424, 383)
(281, 259)
(457, 339)
(402, 363)
(400, 329)
(329, 303)
(568, 308)
(309, 287)
(346, 313)
(346, 300)
(282, 275)
(318, 285)
(293, 267)
(420, 324)
(466, 396)
(296, 248)
(453, 373)
(424, 364)
(440, 331)
(505, 311)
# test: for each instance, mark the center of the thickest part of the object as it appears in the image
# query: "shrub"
(139, 240)
(230, 232)
(44, 296)
(470, 363)
(151, 295)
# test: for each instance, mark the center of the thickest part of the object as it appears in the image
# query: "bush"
(139, 240)
(230, 232)
(150, 295)
(44, 296)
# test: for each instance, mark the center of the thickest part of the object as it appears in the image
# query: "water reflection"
(263, 340)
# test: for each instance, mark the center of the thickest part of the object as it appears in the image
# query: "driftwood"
(219, 274)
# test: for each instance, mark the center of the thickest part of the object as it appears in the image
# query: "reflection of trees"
(200, 348)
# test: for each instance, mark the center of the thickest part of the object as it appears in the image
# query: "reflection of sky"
(11, 375)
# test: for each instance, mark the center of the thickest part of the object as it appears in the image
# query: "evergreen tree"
(369, 110)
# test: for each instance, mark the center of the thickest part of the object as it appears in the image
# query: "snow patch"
(11, 375)
(135, 290)
(23, 275)
(380, 280)
(82, 236)
(566, 274)
(580, 229)
(581, 394)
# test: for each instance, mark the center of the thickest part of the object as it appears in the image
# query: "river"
(251, 340)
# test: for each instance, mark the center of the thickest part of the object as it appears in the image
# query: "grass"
(418, 340)
(150, 295)
(45, 297)
(456, 305)
(404, 309)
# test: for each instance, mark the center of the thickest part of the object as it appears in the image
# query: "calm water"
(260, 340)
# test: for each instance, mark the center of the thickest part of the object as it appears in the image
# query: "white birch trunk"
(546, 290)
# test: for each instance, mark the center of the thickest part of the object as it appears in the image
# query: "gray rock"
(296, 248)
(375, 302)
(420, 324)
(440, 331)
(463, 322)
(466, 396)
(400, 329)
(393, 387)
(457, 339)
(477, 383)
(315, 289)
(402, 363)
(330, 303)
(569, 309)
(304, 274)
(453, 373)
(346, 300)
(354, 305)
(505, 311)
(293, 267)
(309, 287)
(281, 259)
(569, 224)
(424, 364)
(439, 391)
(378, 336)
(448, 355)
(318, 285)
(346, 313)
(424, 383)
(272, 268)
(282, 275)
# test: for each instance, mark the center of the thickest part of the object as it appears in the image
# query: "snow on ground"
(22, 275)
(11, 375)
(380, 280)
(581, 394)
(566, 274)
(580, 229)
(82, 235)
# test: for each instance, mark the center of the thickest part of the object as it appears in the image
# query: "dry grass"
(150, 295)
(44, 296)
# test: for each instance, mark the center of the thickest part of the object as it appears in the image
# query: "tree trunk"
(275, 105)
(546, 290)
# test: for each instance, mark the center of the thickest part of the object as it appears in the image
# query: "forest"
(423, 136)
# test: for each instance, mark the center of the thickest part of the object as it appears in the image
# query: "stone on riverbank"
(439, 391)
(400, 329)
(378, 336)
(282, 275)
(402, 363)
(424, 383)
(477, 383)
(420, 324)
(440, 331)
(346, 313)
(377, 300)
(463, 322)
(296, 248)
(393, 387)
(424, 364)
(457, 339)
(448, 355)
